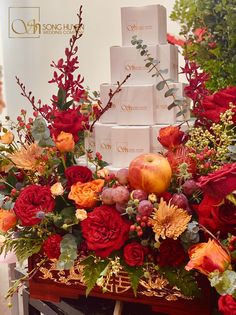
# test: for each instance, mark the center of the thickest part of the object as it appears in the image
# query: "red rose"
(70, 121)
(217, 216)
(105, 230)
(32, 203)
(227, 305)
(171, 253)
(171, 137)
(77, 173)
(134, 254)
(213, 105)
(51, 246)
(219, 183)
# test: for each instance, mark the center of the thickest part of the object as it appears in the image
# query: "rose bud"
(8, 220)
(171, 137)
(7, 138)
(65, 142)
(208, 257)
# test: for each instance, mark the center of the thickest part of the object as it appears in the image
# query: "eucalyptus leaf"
(171, 92)
(160, 86)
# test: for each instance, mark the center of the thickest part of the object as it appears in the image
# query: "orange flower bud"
(7, 220)
(207, 257)
(86, 195)
(171, 137)
(65, 142)
(7, 138)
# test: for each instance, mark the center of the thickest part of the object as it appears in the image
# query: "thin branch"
(109, 103)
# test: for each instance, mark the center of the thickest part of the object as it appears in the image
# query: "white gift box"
(136, 105)
(162, 114)
(147, 22)
(127, 60)
(110, 115)
(155, 145)
(89, 142)
(128, 143)
(168, 57)
(103, 142)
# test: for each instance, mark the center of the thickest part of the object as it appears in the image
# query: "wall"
(30, 58)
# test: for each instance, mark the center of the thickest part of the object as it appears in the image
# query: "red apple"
(150, 172)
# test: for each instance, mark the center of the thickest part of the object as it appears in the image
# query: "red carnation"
(134, 254)
(71, 121)
(77, 173)
(213, 105)
(171, 253)
(105, 230)
(32, 203)
(227, 305)
(51, 246)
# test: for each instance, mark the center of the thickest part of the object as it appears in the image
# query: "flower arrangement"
(172, 214)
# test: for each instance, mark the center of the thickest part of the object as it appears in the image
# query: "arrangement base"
(49, 290)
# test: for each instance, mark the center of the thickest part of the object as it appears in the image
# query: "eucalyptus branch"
(152, 65)
(109, 103)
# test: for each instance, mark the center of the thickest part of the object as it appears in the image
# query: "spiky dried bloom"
(27, 157)
(169, 220)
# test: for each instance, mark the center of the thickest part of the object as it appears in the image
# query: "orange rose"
(85, 195)
(207, 257)
(171, 137)
(7, 138)
(65, 142)
(7, 220)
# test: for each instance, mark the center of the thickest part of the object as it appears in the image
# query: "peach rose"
(7, 220)
(7, 137)
(207, 257)
(86, 195)
(81, 214)
(57, 189)
(65, 142)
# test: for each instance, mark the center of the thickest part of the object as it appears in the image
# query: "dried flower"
(27, 157)
(169, 220)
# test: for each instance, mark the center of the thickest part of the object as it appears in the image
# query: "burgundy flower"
(134, 254)
(33, 201)
(51, 246)
(227, 305)
(70, 121)
(171, 253)
(77, 173)
(105, 230)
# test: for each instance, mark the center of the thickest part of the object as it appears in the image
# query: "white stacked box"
(139, 111)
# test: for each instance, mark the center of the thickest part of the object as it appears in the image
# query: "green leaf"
(92, 271)
(172, 105)
(163, 71)
(184, 280)
(67, 105)
(61, 96)
(171, 92)
(135, 273)
(181, 112)
(160, 86)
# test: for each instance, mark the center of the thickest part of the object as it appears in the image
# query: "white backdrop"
(29, 58)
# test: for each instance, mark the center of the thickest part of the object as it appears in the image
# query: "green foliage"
(224, 283)
(93, 268)
(68, 252)
(135, 274)
(216, 51)
(24, 247)
(182, 279)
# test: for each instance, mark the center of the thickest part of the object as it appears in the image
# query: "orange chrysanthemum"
(169, 220)
(27, 157)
